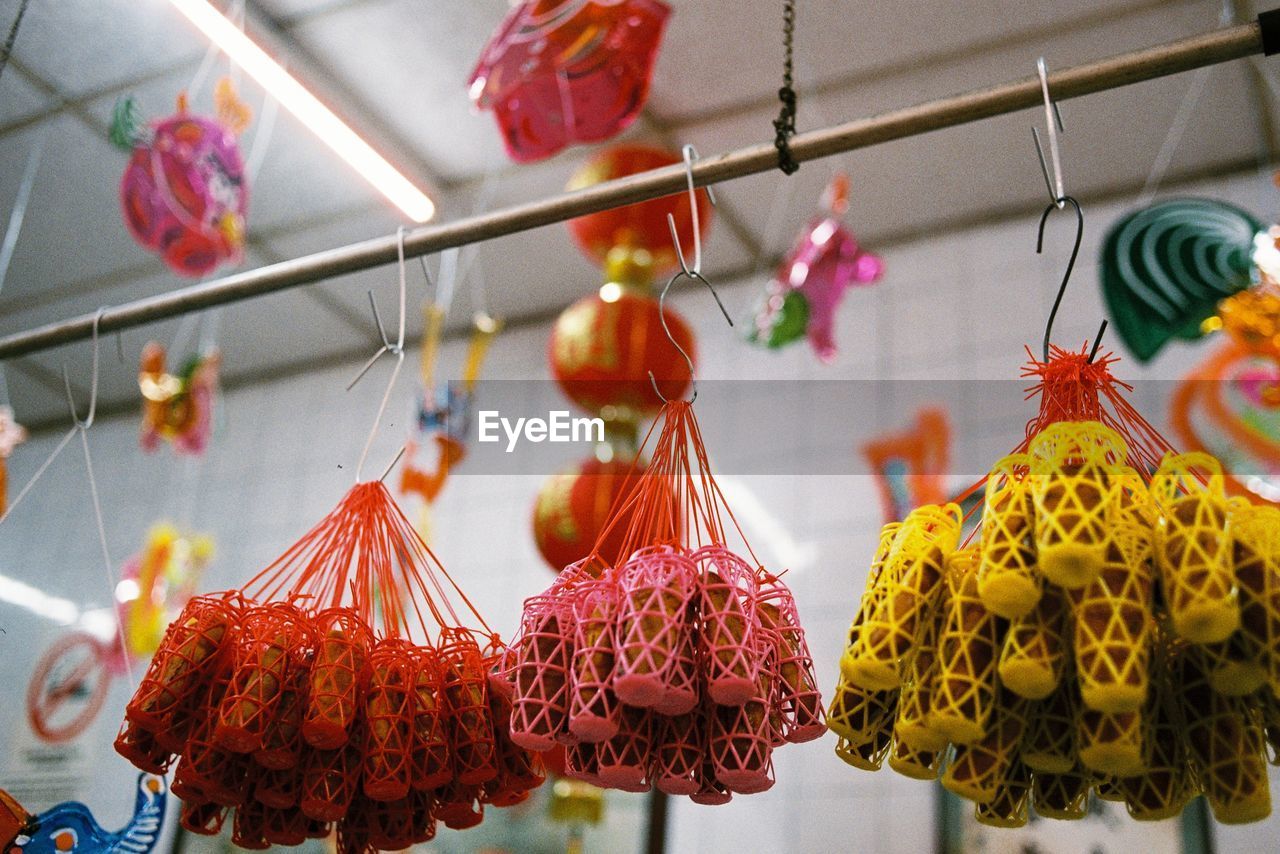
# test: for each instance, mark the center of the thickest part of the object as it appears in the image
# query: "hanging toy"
(558, 72)
(70, 827)
(1111, 587)
(177, 408)
(12, 434)
(806, 291)
(910, 466)
(184, 193)
(679, 665)
(156, 583)
(1165, 268)
(339, 688)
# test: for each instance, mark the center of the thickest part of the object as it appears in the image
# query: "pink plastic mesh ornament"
(660, 646)
(729, 590)
(541, 709)
(655, 662)
(563, 71)
(677, 758)
(797, 700)
(593, 707)
(183, 194)
(623, 761)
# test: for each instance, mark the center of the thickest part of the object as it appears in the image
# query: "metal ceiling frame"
(1210, 48)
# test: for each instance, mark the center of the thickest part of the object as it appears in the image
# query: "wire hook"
(93, 383)
(1066, 277)
(1053, 118)
(690, 157)
(662, 315)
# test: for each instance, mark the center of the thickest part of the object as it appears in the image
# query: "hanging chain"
(13, 35)
(785, 124)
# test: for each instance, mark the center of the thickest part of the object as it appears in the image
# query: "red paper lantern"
(641, 227)
(604, 346)
(571, 509)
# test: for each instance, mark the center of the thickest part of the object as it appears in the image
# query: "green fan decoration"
(128, 128)
(1165, 268)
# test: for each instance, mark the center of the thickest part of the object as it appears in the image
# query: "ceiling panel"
(19, 98)
(414, 72)
(84, 46)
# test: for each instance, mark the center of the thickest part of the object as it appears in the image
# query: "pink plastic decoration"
(184, 193)
(593, 707)
(655, 666)
(803, 297)
(728, 633)
(558, 72)
(540, 712)
(624, 759)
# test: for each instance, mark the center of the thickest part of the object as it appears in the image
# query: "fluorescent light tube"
(318, 118)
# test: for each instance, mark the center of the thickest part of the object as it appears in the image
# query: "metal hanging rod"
(1257, 37)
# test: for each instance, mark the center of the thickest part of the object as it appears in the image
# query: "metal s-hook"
(1053, 119)
(690, 157)
(662, 315)
(1066, 277)
(93, 382)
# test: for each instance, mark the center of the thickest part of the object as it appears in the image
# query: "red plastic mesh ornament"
(388, 718)
(686, 663)
(202, 819)
(342, 646)
(279, 703)
(140, 747)
(272, 638)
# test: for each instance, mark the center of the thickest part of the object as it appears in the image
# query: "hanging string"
(1174, 137)
(83, 430)
(13, 35)
(785, 124)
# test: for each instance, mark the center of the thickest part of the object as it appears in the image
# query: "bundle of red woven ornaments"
(681, 667)
(337, 689)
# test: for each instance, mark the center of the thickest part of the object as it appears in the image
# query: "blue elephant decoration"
(70, 827)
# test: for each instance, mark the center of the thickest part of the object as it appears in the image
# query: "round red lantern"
(641, 227)
(604, 346)
(572, 506)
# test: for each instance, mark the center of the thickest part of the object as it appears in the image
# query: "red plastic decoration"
(602, 351)
(573, 506)
(281, 704)
(563, 71)
(682, 666)
(640, 229)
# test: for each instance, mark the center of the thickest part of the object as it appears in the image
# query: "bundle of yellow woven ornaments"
(1103, 631)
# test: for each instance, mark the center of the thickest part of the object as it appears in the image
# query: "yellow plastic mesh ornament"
(912, 762)
(1008, 579)
(1050, 743)
(1074, 491)
(1112, 622)
(1269, 709)
(863, 720)
(915, 698)
(872, 594)
(963, 692)
(1251, 656)
(913, 575)
(1035, 649)
(1225, 744)
(1060, 796)
(1110, 743)
(976, 770)
(856, 714)
(1009, 807)
(1193, 548)
(1107, 790)
(1165, 787)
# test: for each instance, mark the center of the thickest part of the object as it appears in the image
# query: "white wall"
(953, 307)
